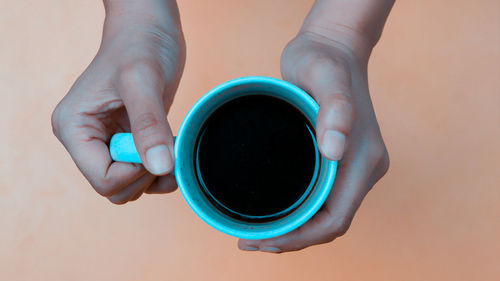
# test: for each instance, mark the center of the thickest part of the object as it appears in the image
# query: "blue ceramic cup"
(122, 149)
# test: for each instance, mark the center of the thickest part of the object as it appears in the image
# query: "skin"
(129, 86)
(328, 59)
(131, 83)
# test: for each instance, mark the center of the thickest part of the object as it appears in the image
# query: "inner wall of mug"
(185, 158)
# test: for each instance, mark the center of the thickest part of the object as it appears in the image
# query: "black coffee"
(256, 156)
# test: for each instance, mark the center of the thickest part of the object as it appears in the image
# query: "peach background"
(435, 84)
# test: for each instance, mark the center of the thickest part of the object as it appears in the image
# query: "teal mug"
(122, 149)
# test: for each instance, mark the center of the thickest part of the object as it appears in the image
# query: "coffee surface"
(256, 156)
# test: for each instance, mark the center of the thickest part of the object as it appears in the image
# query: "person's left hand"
(347, 130)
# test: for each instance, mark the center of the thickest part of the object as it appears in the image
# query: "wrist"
(340, 37)
(124, 14)
(356, 25)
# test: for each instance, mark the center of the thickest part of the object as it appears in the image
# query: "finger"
(329, 82)
(141, 87)
(133, 189)
(333, 220)
(87, 147)
(308, 234)
(137, 196)
(163, 184)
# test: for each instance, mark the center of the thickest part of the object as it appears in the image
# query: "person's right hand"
(129, 86)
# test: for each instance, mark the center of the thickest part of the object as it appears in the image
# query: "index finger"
(91, 155)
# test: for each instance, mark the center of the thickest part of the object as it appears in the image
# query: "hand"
(129, 86)
(347, 131)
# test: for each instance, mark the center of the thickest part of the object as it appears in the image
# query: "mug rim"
(280, 229)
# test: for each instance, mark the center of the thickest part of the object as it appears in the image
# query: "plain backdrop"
(434, 79)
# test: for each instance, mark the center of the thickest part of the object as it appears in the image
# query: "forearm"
(356, 24)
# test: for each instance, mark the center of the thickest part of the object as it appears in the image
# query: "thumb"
(329, 82)
(141, 88)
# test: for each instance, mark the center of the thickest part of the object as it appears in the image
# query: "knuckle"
(342, 102)
(311, 62)
(55, 120)
(337, 110)
(146, 125)
(329, 238)
(135, 197)
(327, 62)
(138, 70)
(378, 153)
(384, 163)
(319, 60)
(103, 187)
(171, 189)
(321, 64)
(378, 156)
(338, 227)
(54, 123)
(117, 201)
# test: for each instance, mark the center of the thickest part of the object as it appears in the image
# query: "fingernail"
(248, 248)
(270, 249)
(159, 159)
(333, 144)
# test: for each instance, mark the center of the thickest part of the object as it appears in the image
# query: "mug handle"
(122, 148)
